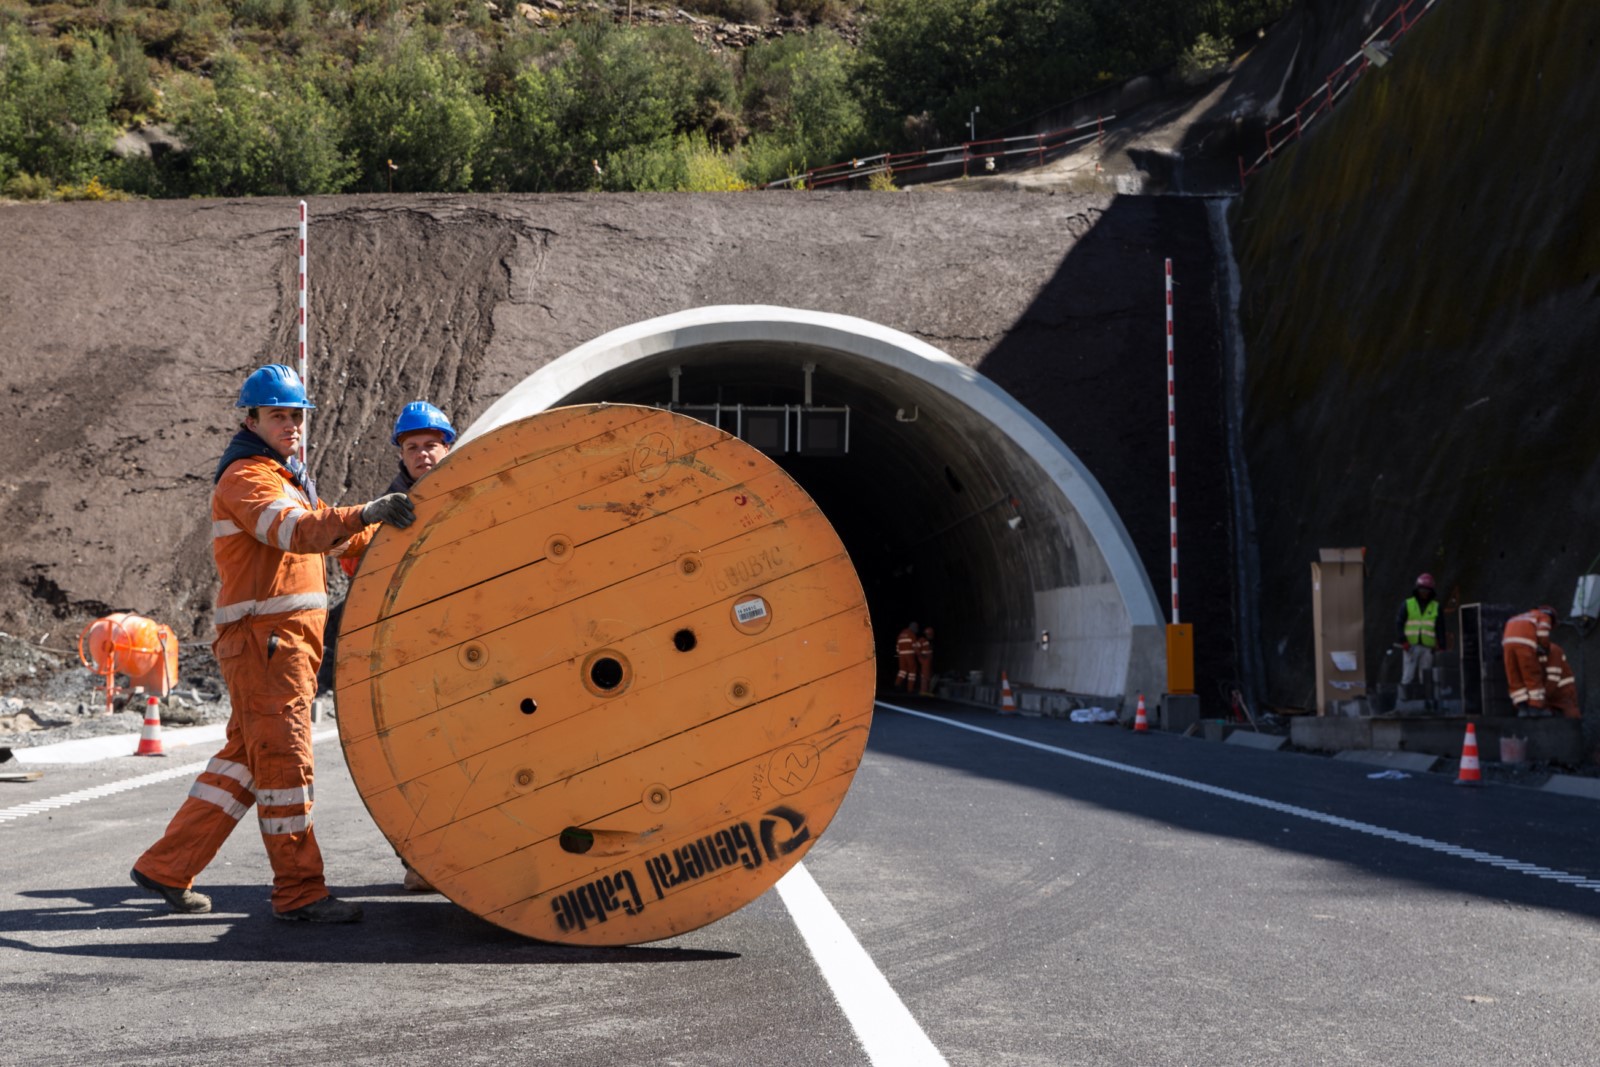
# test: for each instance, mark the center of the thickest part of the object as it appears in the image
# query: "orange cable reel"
(613, 683)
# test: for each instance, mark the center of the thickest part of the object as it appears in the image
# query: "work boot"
(327, 910)
(185, 900)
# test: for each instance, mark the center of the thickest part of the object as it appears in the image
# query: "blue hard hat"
(421, 415)
(274, 386)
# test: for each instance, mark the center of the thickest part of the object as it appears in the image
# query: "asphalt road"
(1029, 891)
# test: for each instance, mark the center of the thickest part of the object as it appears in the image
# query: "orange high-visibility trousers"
(1561, 691)
(270, 666)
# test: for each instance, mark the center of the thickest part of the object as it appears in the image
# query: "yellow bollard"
(614, 681)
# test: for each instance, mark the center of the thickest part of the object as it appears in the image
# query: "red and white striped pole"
(1172, 452)
(305, 432)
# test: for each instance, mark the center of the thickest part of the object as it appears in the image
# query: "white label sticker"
(750, 610)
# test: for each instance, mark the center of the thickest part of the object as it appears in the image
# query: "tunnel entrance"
(960, 509)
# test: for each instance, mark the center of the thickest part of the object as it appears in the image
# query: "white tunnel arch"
(1113, 649)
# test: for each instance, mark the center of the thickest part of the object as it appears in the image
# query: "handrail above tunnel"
(1124, 653)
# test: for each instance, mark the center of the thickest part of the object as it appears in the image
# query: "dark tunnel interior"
(919, 498)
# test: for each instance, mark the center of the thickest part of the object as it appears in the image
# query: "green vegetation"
(319, 96)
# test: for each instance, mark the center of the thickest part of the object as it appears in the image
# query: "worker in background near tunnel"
(1526, 644)
(1560, 687)
(924, 649)
(423, 435)
(1418, 625)
(905, 651)
(269, 534)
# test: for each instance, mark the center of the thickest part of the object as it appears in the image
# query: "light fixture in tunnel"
(767, 428)
(808, 429)
(1015, 522)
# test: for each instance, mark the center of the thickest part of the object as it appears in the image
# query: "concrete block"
(1421, 762)
(1251, 739)
(1179, 711)
(1574, 786)
(1324, 733)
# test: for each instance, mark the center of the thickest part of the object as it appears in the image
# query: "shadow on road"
(1520, 826)
(133, 925)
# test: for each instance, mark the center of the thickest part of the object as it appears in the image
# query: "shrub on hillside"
(54, 108)
(27, 187)
(799, 90)
(417, 122)
(596, 91)
(685, 164)
(1203, 60)
(259, 133)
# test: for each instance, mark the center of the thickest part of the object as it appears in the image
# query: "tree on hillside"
(598, 91)
(1014, 57)
(800, 103)
(54, 108)
(254, 133)
(417, 121)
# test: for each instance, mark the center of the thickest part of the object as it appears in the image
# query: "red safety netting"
(933, 163)
(1375, 50)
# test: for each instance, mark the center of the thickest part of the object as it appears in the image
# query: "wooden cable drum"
(613, 682)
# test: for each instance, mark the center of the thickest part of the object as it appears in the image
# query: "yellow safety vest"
(1420, 623)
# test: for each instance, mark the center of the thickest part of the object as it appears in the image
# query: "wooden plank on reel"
(613, 682)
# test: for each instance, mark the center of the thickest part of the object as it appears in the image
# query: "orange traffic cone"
(1469, 774)
(1008, 706)
(1141, 724)
(150, 737)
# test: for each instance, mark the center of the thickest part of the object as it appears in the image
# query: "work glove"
(394, 509)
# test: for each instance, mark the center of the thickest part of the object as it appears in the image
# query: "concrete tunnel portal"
(959, 508)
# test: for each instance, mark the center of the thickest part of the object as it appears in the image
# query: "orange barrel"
(613, 682)
(121, 642)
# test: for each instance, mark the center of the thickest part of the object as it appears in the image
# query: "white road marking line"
(34, 807)
(1427, 843)
(92, 749)
(883, 1024)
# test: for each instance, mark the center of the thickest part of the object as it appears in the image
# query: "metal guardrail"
(1374, 51)
(1030, 149)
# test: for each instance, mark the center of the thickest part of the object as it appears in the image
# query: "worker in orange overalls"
(1525, 642)
(1560, 687)
(269, 533)
(905, 650)
(424, 436)
(924, 650)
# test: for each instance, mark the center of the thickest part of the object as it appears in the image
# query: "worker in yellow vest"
(1418, 626)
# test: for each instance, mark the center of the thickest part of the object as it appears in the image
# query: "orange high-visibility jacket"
(1524, 640)
(1560, 687)
(905, 644)
(268, 540)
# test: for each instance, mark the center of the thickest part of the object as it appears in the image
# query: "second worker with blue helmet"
(424, 435)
